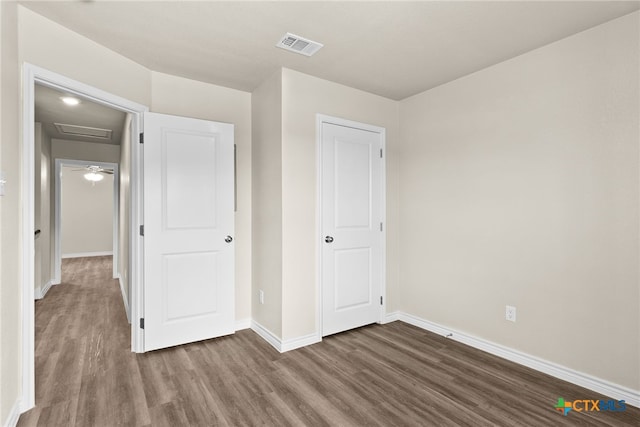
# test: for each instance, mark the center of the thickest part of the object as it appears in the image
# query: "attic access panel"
(83, 131)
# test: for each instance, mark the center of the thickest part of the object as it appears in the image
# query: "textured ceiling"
(391, 48)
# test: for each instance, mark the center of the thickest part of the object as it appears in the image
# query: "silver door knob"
(328, 239)
(228, 239)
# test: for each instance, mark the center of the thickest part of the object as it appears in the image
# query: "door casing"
(31, 75)
(320, 119)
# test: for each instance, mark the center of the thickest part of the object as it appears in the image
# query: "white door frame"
(31, 75)
(320, 119)
(57, 233)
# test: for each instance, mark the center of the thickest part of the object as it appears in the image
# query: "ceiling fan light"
(94, 177)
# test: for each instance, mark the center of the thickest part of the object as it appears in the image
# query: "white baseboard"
(631, 397)
(125, 299)
(87, 254)
(283, 345)
(390, 317)
(266, 335)
(41, 292)
(243, 324)
(293, 343)
(14, 414)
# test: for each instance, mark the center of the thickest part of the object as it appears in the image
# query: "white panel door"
(351, 227)
(188, 230)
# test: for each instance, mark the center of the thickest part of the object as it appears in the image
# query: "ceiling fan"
(95, 173)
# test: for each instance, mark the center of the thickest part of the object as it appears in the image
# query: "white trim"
(266, 335)
(28, 400)
(57, 214)
(631, 397)
(385, 228)
(391, 317)
(319, 227)
(125, 300)
(42, 291)
(284, 345)
(136, 248)
(243, 324)
(88, 254)
(14, 415)
(294, 343)
(31, 75)
(320, 119)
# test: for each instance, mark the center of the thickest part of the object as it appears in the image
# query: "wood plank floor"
(391, 375)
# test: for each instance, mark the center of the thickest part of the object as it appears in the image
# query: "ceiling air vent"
(298, 44)
(83, 131)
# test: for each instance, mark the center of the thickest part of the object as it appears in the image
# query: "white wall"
(86, 214)
(49, 45)
(266, 115)
(190, 98)
(88, 151)
(10, 286)
(304, 96)
(520, 187)
(29, 37)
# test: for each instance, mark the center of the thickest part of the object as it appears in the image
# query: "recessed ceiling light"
(69, 100)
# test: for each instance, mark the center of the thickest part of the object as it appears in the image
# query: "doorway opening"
(86, 211)
(87, 217)
(35, 76)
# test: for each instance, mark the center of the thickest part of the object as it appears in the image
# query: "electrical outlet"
(510, 313)
(261, 296)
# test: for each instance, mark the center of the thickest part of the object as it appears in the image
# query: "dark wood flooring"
(391, 375)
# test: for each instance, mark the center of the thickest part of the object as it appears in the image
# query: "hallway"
(82, 346)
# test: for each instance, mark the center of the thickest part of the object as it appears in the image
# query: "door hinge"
(380, 299)
(142, 323)
(141, 138)
(380, 226)
(142, 230)
(381, 153)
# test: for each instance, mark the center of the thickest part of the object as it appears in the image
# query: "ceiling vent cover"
(298, 44)
(83, 131)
